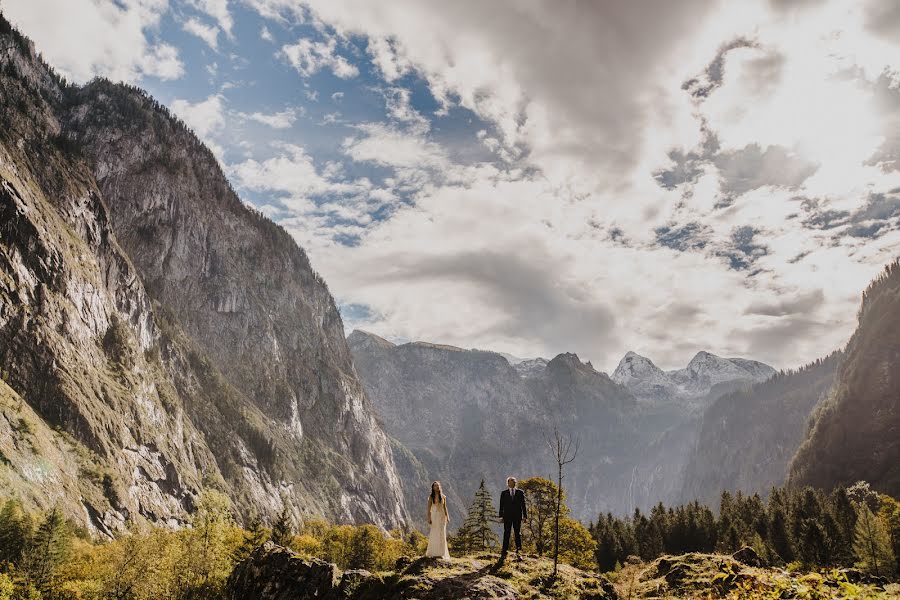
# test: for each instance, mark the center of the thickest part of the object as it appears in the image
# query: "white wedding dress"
(437, 537)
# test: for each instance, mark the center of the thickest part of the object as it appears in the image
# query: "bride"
(438, 518)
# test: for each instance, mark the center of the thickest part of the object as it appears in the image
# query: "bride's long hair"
(437, 496)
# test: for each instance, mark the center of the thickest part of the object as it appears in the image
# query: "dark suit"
(512, 511)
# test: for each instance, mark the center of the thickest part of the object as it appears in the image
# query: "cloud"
(743, 249)
(550, 95)
(206, 118)
(712, 76)
(751, 168)
(218, 10)
(83, 39)
(207, 33)
(646, 167)
(878, 216)
(265, 34)
(692, 236)
(308, 57)
(803, 304)
(279, 120)
(561, 313)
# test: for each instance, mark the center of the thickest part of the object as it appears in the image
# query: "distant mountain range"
(468, 414)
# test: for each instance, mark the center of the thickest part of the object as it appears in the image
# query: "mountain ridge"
(126, 322)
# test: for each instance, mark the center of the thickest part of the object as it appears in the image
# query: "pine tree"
(366, 543)
(47, 551)
(475, 532)
(282, 531)
(16, 529)
(255, 534)
(871, 544)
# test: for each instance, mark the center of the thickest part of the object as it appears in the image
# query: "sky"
(543, 176)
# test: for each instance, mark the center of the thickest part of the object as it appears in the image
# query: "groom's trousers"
(508, 526)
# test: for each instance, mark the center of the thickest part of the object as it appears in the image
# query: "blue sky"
(543, 177)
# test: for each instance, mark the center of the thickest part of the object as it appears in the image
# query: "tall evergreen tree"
(476, 533)
(16, 529)
(367, 540)
(47, 551)
(282, 530)
(872, 545)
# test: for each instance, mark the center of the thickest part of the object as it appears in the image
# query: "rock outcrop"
(173, 337)
(274, 573)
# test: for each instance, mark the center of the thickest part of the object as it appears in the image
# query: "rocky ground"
(275, 573)
(701, 576)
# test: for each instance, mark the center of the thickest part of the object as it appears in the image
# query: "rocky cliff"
(855, 432)
(159, 336)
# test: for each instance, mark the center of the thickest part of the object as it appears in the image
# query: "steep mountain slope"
(203, 351)
(747, 438)
(855, 432)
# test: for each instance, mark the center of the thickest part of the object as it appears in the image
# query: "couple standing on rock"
(512, 512)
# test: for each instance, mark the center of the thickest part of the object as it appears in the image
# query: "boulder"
(748, 556)
(275, 573)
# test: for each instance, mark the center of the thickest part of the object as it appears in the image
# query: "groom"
(512, 511)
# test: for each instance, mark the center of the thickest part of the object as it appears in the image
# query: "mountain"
(748, 437)
(855, 432)
(468, 414)
(705, 377)
(158, 337)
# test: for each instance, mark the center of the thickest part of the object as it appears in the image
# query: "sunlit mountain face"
(543, 177)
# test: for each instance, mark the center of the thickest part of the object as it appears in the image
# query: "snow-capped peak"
(634, 367)
(705, 370)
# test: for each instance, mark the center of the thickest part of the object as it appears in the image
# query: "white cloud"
(265, 34)
(308, 57)
(770, 168)
(218, 10)
(206, 118)
(400, 109)
(207, 33)
(83, 38)
(279, 120)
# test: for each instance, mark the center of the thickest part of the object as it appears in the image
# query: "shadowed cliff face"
(178, 338)
(747, 438)
(855, 432)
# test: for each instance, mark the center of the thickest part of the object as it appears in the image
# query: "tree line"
(805, 527)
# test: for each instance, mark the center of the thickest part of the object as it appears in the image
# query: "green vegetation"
(43, 556)
(476, 532)
(803, 528)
